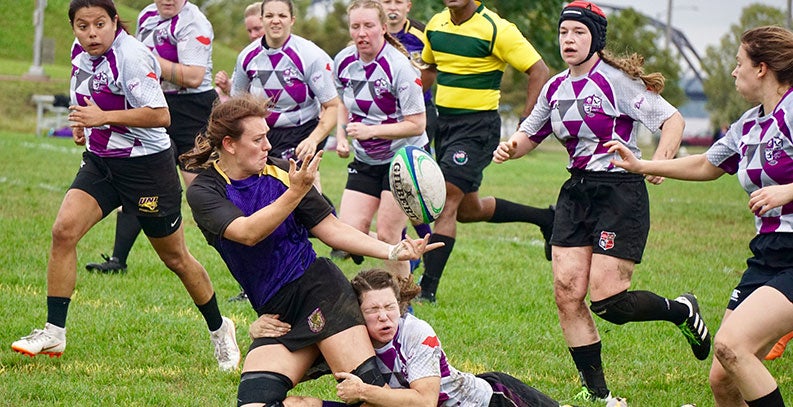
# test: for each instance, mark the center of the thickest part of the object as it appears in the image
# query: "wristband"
(393, 251)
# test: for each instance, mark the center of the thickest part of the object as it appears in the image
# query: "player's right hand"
(504, 151)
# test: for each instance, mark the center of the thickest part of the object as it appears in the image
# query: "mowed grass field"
(137, 340)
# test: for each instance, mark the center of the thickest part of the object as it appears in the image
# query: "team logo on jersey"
(289, 75)
(316, 321)
(380, 88)
(148, 204)
(460, 157)
(593, 104)
(204, 40)
(606, 241)
(161, 35)
(773, 151)
(99, 81)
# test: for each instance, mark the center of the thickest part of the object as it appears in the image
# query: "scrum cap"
(591, 16)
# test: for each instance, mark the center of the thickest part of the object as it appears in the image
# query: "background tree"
(724, 104)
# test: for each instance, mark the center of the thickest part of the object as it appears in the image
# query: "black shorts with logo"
(285, 139)
(367, 179)
(318, 305)
(146, 186)
(189, 117)
(464, 146)
(609, 211)
(771, 265)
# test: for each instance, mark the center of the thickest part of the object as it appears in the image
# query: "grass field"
(137, 340)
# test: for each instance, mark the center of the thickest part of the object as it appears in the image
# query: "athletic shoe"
(426, 298)
(694, 328)
(342, 255)
(779, 347)
(226, 350)
(48, 341)
(611, 401)
(239, 297)
(546, 234)
(111, 265)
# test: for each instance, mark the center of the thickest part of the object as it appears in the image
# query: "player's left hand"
(306, 148)
(302, 179)
(78, 135)
(350, 388)
(268, 326)
(412, 249)
(764, 199)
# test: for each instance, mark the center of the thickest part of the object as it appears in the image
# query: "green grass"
(137, 340)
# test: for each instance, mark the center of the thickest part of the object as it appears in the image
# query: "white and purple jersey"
(585, 112)
(124, 77)
(379, 92)
(185, 38)
(295, 78)
(416, 353)
(759, 148)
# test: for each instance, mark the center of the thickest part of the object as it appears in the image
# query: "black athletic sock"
(434, 263)
(506, 211)
(211, 314)
(773, 399)
(648, 306)
(590, 368)
(57, 308)
(127, 230)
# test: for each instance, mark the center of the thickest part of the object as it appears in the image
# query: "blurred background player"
(469, 126)
(180, 36)
(255, 29)
(382, 111)
(128, 162)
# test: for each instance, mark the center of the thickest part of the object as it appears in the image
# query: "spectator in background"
(255, 29)
(467, 49)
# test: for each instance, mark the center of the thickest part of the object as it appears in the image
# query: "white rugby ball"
(417, 184)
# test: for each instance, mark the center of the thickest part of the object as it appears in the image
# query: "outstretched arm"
(671, 135)
(690, 168)
(422, 392)
(342, 236)
(518, 145)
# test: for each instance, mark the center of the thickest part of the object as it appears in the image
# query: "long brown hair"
(225, 120)
(633, 66)
(377, 279)
(773, 46)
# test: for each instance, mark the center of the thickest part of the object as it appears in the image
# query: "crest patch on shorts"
(316, 321)
(460, 157)
(607, 240)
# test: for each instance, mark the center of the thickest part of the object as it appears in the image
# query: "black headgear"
(591, 16)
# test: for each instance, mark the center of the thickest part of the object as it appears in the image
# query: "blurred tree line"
(628, 32)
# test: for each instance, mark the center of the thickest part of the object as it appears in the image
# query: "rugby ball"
(417, 184)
